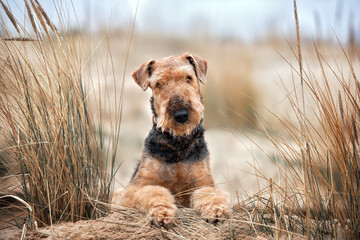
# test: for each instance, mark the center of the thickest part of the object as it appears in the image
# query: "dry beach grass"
(52, 146)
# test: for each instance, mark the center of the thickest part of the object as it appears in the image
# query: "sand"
(131, 224)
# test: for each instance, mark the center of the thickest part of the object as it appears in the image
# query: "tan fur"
(157, 186)
(211, 202)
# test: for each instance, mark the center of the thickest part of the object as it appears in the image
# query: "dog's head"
(175, 84)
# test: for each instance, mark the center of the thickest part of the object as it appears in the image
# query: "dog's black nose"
(181, 116)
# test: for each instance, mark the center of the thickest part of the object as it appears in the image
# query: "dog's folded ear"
(199, 64)
(143, 73)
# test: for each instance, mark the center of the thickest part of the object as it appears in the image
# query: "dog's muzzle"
(181, 116)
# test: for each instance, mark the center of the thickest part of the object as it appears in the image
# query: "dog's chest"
(180, 181)
(179, 178)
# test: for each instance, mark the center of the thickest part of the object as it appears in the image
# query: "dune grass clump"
(55, 142)
(327, 135)
(318, 154)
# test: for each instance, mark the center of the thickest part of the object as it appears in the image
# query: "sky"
(247, 20)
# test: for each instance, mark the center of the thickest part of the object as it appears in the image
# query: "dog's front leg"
(211, 203)
(156, 201)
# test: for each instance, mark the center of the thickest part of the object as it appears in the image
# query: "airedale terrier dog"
(174, 169)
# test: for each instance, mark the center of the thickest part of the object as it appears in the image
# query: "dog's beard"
(165, 121)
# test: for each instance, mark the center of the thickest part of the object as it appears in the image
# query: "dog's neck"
(170, 149)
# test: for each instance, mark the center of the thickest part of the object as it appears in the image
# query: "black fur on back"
(135, 172)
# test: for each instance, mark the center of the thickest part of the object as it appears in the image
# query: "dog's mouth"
(179, 122)
(178, 117)
(183, 121)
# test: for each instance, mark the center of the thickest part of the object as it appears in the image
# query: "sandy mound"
(131, 224)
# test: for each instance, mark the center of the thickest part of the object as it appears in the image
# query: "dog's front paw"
(211, 203)
(163, 216)
(214, 212)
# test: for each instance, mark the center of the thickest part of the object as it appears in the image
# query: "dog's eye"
(158, 85)
(188, 79)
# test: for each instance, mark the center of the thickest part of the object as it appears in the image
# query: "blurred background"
(248, 45)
